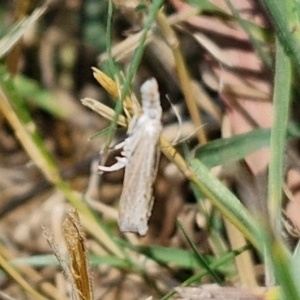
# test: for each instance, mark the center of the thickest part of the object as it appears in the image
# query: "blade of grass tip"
(200, 258)
(106, 82)
(213, 266)
(103, 111)
(281, 102)
(113, 89)
(256, 44)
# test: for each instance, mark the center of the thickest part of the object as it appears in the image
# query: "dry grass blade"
(122, 49)
(24, 134)
(28, 272)
(112, 88)
(205, 102)
(236, 239)
(19, 279)
(108, 84)
(5, 297)
(183, 74)
(213, 49)
(79, 266)
(7, 42)
(243, 261)
(103, 110)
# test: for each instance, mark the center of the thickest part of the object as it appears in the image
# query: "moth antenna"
(175, 141)
(190, 135)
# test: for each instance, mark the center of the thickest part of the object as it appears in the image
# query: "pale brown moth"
(79, 266)
(77, 271)
(140, 156)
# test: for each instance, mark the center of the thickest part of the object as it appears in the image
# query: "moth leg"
(122, 162)
(132, 124)
(120, 145)
(157, 160)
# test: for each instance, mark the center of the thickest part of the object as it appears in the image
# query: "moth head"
(151, 98)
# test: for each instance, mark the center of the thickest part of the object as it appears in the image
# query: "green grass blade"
(136, 59)
(221, 151)
(104, 131)
(200, 258)
(281, 101)
(226, 202)
(207, 6)
(114, 72)
(284, 16)
(42, 98)
(296, 262)
(226, 258)
(281, 263)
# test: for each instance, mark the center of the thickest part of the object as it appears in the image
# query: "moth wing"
(137, 196)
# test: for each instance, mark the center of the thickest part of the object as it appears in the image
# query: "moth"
(140, 157)
(79, 265)
(77, 270)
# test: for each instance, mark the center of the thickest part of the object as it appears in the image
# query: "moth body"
(140, 156)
